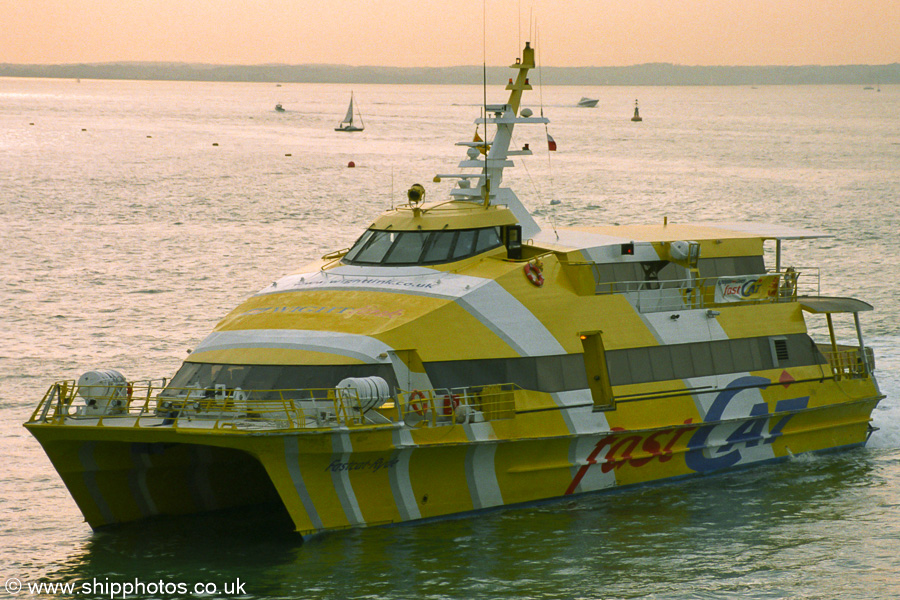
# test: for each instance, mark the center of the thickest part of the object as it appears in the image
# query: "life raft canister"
(533, 272)
(417, 402)
(451, 402)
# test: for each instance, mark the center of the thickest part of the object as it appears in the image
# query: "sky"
(442, 33)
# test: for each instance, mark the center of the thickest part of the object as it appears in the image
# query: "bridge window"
(383, 247)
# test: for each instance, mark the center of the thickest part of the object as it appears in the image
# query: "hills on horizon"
(643, 74)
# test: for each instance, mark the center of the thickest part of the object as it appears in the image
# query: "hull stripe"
(86, 456)
(481, 476)
(137, 481)
(343, 450)
(401, 486)
(292, 459)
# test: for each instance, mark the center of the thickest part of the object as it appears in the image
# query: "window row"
(700, 359)
(542, 373)
(606, 274)
(381, 247)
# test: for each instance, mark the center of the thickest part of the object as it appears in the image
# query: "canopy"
(821, 304)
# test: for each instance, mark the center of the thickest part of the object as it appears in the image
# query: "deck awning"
(824, 305)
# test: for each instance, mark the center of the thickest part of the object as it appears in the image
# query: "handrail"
(848, 363)
(142, 404)
(708, 292)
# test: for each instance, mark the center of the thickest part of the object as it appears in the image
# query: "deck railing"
(145, 404)
(711, 292)
(847, 363)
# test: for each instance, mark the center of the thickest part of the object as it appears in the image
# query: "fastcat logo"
(748, 432)
(656, 446)
(739, 289)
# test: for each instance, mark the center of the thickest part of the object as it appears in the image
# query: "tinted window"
(374, 247)
(407, 249)
(487, 239)
(464, 244)
(359, 245)
(439, 246)
(421, 247)
(262, 378)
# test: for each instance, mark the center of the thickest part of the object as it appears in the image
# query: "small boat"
(460, 358)
(347, 123)
(279, 108)
(637, 115)
(586, 102)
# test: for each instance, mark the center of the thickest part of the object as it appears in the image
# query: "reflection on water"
(218, 546)
(747, 532)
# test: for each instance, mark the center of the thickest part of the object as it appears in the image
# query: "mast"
(359, 114)
(490, 176)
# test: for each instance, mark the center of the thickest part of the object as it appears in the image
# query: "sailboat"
(347, 123)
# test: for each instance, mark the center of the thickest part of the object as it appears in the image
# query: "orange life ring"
(534, 275)
(417, 402)
(450, 401)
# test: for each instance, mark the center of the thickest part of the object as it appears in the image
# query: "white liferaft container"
(104, 392)
(371, 391)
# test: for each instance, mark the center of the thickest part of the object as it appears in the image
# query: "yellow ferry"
(458, 358)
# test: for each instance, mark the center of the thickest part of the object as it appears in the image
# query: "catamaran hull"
(340, 479)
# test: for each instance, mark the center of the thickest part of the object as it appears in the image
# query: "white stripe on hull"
(343, 450)
(481, 476)
(292, 459)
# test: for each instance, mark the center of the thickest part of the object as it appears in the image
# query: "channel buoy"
(637, 115)
(351, 164)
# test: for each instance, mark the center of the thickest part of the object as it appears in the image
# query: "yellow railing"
(847, 363)
(457, 405)
(709, 292)
(143, 404)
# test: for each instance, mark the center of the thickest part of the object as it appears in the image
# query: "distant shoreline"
(638, 75)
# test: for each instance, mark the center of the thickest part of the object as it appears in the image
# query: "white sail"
(348, 118)
(347, 123)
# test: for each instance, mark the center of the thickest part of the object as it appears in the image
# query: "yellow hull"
(376, 475)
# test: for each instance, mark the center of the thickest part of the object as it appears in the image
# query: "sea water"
(135, 215)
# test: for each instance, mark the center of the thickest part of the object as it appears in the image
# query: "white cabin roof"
(577, 238)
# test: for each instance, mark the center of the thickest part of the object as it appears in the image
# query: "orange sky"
(449, 32)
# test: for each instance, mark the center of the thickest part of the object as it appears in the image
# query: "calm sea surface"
(134, 215)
